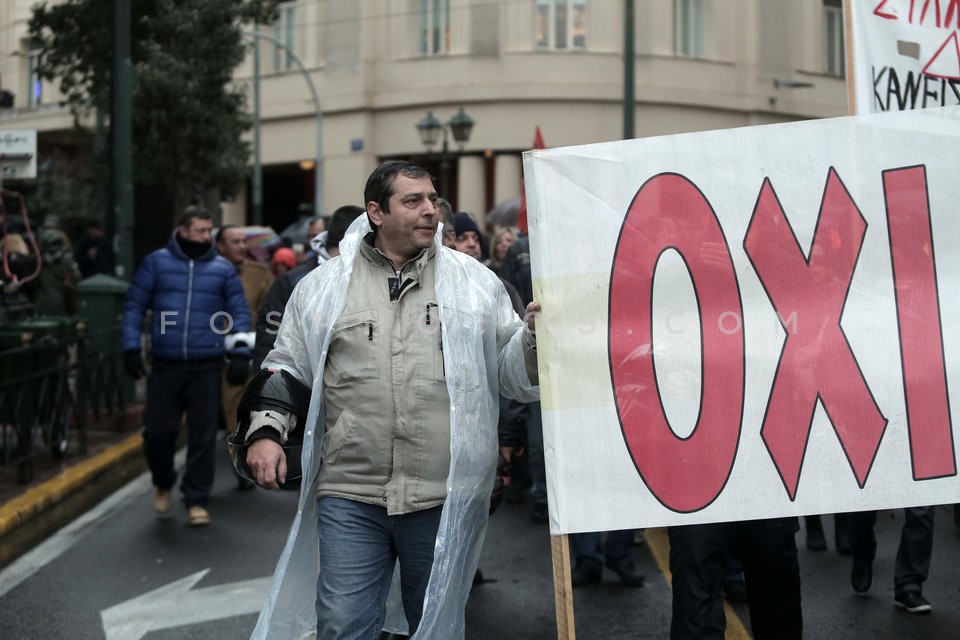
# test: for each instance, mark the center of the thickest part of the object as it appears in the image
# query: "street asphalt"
(516, 599)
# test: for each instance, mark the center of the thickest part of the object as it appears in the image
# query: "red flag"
(538, 139)
(522, 215)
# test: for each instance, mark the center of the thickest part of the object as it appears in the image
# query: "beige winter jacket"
(486, 352)
(387, 439)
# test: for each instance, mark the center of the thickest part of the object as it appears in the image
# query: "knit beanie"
(462, 223)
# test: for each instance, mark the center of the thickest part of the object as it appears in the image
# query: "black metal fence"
(50, 390)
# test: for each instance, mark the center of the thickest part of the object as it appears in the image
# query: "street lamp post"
(257, 169)
(431, 129)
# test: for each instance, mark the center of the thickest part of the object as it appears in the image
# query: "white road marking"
(178, 604)
(53, 547)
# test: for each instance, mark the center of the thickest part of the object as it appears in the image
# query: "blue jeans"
(592, 549)
(359, 547)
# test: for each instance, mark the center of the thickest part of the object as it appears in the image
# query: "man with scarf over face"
(196, 299)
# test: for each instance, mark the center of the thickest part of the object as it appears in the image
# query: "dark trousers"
(698, 561)
(537, 464)
(172, 388)
(595, 551)
(913, 553)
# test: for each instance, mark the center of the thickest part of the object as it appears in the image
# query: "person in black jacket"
(271, 313)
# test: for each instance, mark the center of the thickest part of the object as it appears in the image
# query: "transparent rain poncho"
(482, 340)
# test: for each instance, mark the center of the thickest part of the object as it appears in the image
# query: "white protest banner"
(749, 323)
(906, 54)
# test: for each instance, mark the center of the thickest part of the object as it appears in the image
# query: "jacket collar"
(377, 257)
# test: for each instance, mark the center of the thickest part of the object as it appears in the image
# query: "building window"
(285, 30)
(434, 27)
(561, 24)
(688, 28)
(833, 56)
(34, 82)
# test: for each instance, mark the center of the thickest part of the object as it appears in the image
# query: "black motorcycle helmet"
(279, 390)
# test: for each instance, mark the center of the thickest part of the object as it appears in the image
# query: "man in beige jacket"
(406, 345)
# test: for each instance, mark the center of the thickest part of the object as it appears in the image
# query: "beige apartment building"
(379, 66)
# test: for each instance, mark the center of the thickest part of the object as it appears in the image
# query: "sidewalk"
(62, 489)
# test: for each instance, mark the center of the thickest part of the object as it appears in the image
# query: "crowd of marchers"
(389, 374)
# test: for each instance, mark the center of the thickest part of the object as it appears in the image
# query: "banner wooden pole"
(562, 587)
(848, 47)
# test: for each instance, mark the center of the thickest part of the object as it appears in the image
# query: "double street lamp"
(431, 129)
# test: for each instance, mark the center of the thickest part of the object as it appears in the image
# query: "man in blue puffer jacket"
(197, 300)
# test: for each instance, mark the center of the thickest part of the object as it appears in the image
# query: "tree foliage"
(188, 115)
(62, 188)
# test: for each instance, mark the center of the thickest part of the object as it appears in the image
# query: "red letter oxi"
(816, 362)
(932, 450)
(684, 474)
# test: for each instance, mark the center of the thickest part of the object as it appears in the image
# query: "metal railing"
(50, 389)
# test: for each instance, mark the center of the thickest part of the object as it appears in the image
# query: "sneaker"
(584, 574)
(861, 577)
(629, 573)
(913, 601)
(163, 501)
(199, 517)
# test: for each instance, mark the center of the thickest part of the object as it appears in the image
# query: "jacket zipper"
(395, 283)
(186, 320)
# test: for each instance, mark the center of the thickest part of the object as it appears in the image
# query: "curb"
(39, 499)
